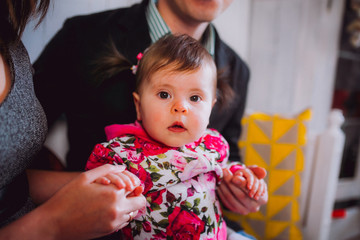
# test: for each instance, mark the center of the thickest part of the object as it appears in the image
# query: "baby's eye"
(195, 98)
(163, 95)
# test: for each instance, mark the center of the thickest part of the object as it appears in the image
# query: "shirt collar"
(158, 28)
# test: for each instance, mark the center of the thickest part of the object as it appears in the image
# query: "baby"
(178, 160)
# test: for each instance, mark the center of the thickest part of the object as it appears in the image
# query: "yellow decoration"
(279, 152)
(256, 158)
(277, 144)
(277, 181)
(274, 228)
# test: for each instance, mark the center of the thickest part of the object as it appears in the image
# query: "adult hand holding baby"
(234, 190)
(88, 210)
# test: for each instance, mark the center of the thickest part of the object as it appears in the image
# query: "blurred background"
(301, 53)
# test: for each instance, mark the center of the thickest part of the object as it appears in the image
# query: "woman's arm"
(81, 209)
(44, 184)
(38, 224)
(5, 78)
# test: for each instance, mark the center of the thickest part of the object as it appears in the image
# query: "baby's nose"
(179, 108)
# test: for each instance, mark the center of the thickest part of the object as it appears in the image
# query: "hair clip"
(135, 67)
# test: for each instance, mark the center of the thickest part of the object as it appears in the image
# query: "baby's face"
(175, 107)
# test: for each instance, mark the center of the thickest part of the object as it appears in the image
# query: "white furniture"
(324, 172)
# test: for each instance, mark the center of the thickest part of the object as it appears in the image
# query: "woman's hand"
(121, 179)
(82, 209)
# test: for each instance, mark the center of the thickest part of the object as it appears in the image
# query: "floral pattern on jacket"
(179, 183)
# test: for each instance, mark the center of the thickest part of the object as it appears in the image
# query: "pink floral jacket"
(179, 182)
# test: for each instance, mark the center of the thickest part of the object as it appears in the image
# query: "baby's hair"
(176, 52)
(179, 53)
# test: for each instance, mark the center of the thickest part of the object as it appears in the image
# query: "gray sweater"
(23, 129)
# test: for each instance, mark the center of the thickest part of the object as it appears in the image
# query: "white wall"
(293, 50)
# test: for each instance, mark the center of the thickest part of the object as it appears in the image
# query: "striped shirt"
(158, 28)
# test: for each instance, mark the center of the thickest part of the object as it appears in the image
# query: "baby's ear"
(136, 97)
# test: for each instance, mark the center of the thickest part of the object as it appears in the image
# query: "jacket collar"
(135, 31)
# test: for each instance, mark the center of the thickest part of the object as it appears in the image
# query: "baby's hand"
(122, 179)
(244, 177)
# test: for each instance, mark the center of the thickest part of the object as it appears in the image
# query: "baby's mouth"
(177, 127)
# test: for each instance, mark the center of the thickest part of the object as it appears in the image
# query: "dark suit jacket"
(65, 83)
